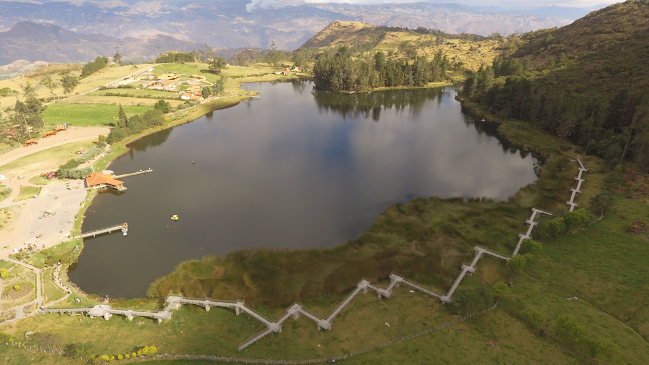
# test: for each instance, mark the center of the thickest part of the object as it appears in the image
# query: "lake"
(295, 169)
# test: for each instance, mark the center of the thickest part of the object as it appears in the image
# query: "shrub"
(576, 219)
(555, 227)
(163, 106)
(136, 124)
(533, 316)
(531, 246)
(469, 301)
(500, 289)
(572, 333)
(91, 67)
(82, 350)
(116, 134)
(517, 263)
(601, 202)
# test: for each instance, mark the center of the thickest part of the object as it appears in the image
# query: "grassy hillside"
(399, 43)
(586, 82)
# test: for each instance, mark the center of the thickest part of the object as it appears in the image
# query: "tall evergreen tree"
(123, 121)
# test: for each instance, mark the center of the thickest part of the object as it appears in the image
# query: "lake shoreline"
(189, 118)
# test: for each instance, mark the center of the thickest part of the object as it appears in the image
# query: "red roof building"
(99, 179)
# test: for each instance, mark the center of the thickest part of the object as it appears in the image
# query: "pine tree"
(123, 121)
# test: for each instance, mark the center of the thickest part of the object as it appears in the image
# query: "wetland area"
(296, 168)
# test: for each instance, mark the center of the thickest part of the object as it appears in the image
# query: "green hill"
(470, 51)
(586, 82)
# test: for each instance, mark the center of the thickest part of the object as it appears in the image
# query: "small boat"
(483, 120)
(174, 217)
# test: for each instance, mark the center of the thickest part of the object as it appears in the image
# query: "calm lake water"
(297, 168)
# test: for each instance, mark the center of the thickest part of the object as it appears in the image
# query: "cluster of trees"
(528, 249)
(585, 84)
(94, 66)
(216, 64)
(613, 128)
(176, 57)
(67, 81)
(569, 221)
(205, 54)
(468, 301)
(274, 56)
(163, 106)
(137, 123)
(341, 71)
(218, 86)
(26, 119)
(570, 331)
(6, 91)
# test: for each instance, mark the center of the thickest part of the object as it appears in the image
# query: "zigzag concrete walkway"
(571, 203)
(296, 310)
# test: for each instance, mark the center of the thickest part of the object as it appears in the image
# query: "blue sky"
(589, 5)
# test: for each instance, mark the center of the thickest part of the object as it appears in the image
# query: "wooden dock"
(97, 232)
(141, 172)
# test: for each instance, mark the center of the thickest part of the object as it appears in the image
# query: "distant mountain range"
(253, 23)
(44, 42)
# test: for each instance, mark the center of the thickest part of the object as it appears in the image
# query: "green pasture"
(135, 93)
(18, 355)
(247, 71)
(54, 156)
(83, 115)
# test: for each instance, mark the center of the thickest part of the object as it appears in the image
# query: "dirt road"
(73, 134)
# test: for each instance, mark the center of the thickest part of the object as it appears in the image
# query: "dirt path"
(73, 134)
